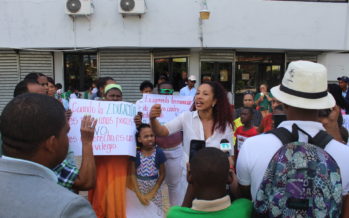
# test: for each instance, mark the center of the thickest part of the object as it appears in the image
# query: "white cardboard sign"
(115, 130)
(171, 105)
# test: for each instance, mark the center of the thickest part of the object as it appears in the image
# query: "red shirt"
(267, 123)
(242, 134)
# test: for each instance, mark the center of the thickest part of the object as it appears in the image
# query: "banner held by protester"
(171, 105)
(115, 130)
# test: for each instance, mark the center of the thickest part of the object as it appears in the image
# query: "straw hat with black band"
(304, 85)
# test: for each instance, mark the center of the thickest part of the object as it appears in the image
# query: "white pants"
(175, 178)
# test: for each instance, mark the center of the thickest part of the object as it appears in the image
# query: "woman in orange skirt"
(108, 198)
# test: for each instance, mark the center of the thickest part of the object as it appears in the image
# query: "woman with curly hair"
(210, 118)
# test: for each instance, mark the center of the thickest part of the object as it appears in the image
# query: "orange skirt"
(108, 198)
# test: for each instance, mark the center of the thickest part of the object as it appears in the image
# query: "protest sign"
(115, 130)
(171, 105)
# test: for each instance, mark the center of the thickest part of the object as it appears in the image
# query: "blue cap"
(343, 78)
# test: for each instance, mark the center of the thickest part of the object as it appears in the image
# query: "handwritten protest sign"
(171, 105)
(115, 130)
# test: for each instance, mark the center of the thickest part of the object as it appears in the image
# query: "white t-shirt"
(189, 122)
(94, 91)
(257, 152)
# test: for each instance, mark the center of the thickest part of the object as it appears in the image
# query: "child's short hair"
(59, 86)
(146, 84)
(250, 109)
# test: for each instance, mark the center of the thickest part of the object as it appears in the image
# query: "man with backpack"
(297, 169)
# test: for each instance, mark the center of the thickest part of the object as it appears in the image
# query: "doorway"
(172, 68)
(80, 70)
(252, 69)
(220, 71)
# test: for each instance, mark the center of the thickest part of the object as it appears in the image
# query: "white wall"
(169, 23)
(337, 64)
(59, 68)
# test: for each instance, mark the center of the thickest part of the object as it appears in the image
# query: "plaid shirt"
(66, 173)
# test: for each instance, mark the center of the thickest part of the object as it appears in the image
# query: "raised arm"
(258, 98)
(158, 129)
(267, 94)
(138, 119)
(87, 174)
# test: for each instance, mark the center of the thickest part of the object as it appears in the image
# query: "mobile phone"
(195, 146)
(278, 118)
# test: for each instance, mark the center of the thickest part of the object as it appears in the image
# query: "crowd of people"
(284, 153)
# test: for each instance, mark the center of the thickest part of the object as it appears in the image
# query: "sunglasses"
(248, 93)
(166, 91)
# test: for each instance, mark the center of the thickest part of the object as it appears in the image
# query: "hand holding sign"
(138, 119)
(155, 111)
(87, 129)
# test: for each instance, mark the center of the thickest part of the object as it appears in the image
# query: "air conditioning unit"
(79, 7)
(131, 7)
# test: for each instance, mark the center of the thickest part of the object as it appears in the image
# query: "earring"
(213, 105)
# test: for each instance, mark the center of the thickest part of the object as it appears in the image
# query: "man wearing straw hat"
(303, 91)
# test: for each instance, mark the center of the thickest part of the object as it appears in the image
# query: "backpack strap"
(321, 139)
(282, 134)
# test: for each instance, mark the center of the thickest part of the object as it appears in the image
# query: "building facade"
(242, 44)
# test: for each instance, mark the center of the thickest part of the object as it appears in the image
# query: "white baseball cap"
(192, 78)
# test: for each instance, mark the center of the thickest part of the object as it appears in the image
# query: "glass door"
(252, 69)
(217, 71)
(80, 70)
(172, 68)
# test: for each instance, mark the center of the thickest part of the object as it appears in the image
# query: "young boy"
(208, 175)
(245, 131)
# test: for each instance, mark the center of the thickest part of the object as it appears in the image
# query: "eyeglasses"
(166, 91)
